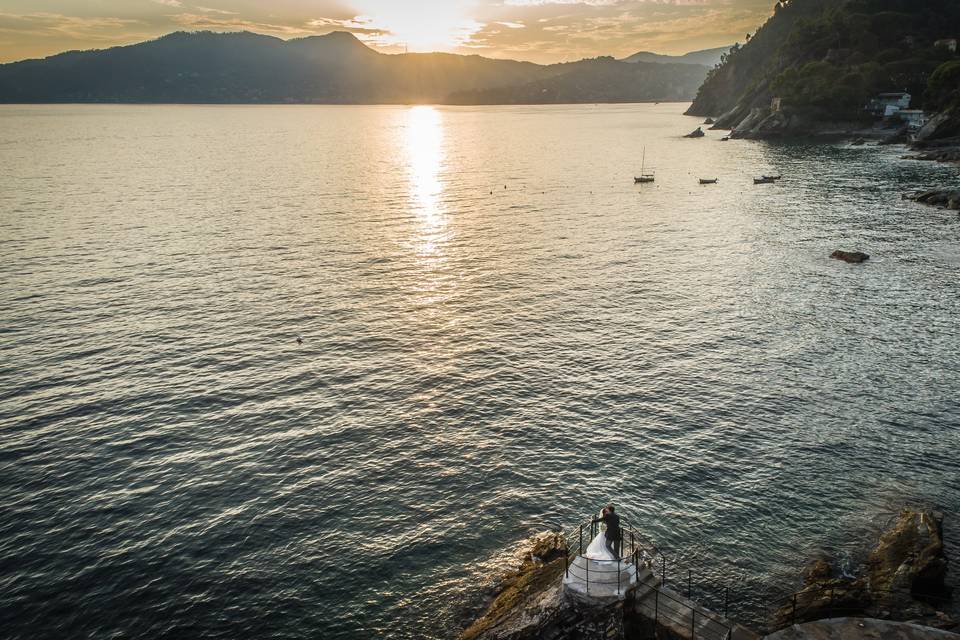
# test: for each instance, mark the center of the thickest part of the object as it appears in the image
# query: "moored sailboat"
(644, 178)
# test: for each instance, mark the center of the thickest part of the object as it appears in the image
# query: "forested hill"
(832, 56)
(336, 68)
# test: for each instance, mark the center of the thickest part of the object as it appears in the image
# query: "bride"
(603, 545)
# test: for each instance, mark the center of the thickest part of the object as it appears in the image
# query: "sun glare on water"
(424, 150)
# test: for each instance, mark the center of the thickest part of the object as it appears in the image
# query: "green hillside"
(832, 56)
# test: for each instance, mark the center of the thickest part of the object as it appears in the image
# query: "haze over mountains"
(337, 68)
(706, 57)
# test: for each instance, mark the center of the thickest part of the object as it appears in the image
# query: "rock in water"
(909, 560)
(906, 576)
(528, 597)
(531, 604)
(854, 257)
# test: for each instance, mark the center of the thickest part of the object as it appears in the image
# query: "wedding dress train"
(598, 574)
(597, 549)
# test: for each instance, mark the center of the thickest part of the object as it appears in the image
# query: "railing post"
(793, 611)
(587, 562)
(633, 542)
(618, 575)
(580, 553)
(689, 580)
(656, 606)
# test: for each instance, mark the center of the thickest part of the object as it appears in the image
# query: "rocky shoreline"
(944, 198)
(904, 580)
(938, 140)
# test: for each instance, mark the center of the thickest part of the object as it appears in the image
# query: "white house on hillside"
(887, 104)
(950, 44)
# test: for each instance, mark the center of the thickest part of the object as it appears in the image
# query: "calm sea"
(501, 333)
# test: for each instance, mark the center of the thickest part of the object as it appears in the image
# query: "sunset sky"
(539, 30)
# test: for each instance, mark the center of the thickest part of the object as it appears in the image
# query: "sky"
(543, 31)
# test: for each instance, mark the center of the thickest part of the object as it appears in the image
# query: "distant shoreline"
(338, 104)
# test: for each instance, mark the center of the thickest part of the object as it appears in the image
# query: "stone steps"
(682, 617)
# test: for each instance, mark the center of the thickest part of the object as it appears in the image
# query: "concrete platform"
(860, 629)
(599, 580)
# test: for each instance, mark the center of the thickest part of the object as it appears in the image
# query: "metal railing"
(679, 615)
(830, 601)
(638, 550)
(668, 608)
(631, 548)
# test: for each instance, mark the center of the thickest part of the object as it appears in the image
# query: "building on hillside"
(776, 104)
(913, 118)
(950, 44)
(887, 104)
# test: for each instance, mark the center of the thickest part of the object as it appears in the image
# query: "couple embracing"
(607, 545)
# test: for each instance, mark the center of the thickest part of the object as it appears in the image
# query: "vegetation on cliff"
(834, 56)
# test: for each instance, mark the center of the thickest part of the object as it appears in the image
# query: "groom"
(612, 534)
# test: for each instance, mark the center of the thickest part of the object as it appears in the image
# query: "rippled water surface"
(500, 333)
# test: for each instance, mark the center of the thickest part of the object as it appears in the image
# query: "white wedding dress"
(597, 574)
(597, 549)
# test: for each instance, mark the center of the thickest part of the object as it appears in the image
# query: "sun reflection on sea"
(425, 157)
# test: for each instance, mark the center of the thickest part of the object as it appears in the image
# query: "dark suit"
(612, 534)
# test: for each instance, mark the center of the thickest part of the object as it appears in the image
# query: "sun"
(424, 25)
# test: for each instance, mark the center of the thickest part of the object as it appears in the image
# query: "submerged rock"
(853, 257)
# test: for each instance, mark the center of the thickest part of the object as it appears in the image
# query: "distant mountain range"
(337, 68)
(706, 57)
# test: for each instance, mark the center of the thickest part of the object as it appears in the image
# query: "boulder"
(823, 596)
(900, 136)
(937, 197)
(942, 125)
(529, 597)
(908, 562)
(853, 257)
(905, 579)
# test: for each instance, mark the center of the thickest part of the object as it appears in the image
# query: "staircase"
(671, 614)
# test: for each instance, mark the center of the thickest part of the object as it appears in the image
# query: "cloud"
(573, 29)
(54, 25)
(538, 30)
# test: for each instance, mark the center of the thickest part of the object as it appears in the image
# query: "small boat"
(697, 133)
(708, 180)
(764, 180)
(776, 177)
(644, 178)
(724, 138)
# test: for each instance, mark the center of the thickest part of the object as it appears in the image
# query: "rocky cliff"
(815, 64)
(905, 579)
